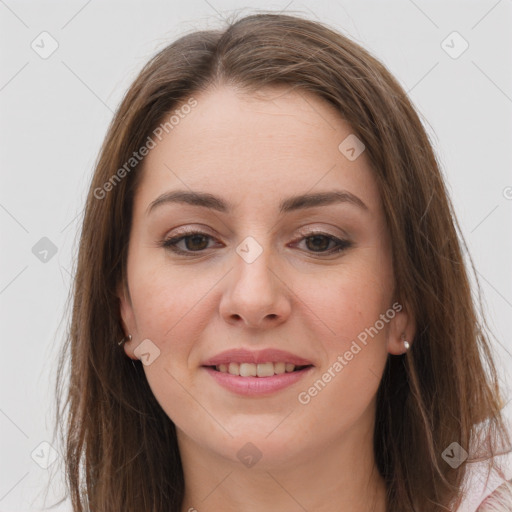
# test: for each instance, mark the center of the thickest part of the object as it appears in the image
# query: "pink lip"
(256, 386)
(256, 356)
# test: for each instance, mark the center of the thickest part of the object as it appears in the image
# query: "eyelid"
(316, 230)
(196, 228)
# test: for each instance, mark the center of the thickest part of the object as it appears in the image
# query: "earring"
(126, 338)
(406, 343)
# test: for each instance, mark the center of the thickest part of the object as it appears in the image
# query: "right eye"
(195, 242)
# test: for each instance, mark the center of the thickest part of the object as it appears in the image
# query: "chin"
(258, 443)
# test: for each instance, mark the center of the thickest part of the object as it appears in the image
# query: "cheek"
(351, 298)
(355, 304)
(165, 298)
(170, 312)
(343, 390)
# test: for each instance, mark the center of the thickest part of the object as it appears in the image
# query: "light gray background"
(55, 112)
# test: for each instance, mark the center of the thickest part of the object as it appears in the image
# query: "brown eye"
(194, 242)
(197, 242)
(319, 243)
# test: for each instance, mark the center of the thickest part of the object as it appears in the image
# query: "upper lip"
(269, 355)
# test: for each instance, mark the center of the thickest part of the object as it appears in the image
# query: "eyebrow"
(289, 204)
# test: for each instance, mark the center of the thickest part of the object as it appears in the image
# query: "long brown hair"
(121, 448)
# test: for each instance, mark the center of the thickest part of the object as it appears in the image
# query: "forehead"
(255, 147)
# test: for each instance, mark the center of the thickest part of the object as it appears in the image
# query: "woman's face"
(264, 274)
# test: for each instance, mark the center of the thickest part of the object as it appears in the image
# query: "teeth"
(264, 369)
(247, 370)
(279, 368)
(253, 370)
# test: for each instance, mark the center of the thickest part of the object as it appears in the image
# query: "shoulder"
(487, 486)
(499, 501)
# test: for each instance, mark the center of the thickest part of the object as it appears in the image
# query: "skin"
(254, 151)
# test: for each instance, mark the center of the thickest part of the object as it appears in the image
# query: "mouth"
(256, 373)
(260, 370)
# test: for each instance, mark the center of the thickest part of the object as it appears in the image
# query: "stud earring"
(126, 338)
(405, 343)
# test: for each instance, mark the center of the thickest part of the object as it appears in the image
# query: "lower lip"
(256, 386)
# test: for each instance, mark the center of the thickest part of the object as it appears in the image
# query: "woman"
(271, 309)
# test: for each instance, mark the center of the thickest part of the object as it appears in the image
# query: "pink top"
(480, 483)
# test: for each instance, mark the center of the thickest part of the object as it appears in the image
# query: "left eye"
(197, 242)
(319, 242)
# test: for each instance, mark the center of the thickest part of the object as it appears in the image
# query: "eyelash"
(171, 243)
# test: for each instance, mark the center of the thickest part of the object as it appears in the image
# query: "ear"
(127, 319)
(401, 328)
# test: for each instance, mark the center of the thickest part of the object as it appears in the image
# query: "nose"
(256, 295)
